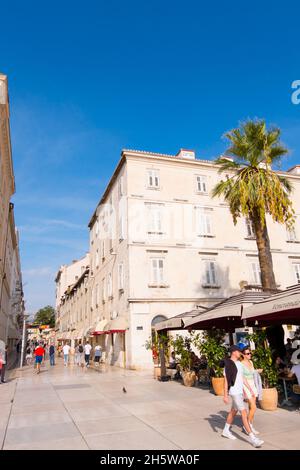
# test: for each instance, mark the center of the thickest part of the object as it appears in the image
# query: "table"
(286, 400)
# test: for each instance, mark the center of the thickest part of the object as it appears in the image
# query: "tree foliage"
(262, 358)
(252, 188)
(45, 316)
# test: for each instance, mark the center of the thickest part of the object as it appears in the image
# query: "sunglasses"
(248, 354)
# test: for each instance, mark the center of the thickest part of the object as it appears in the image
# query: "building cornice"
(174, 299)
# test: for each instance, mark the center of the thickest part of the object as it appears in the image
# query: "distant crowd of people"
(80, 355)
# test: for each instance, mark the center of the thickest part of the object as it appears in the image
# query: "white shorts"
(238, 403)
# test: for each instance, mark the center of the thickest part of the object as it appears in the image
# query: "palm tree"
(252, 189)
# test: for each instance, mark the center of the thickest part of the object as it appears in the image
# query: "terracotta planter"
(157, 372)
(218, 385)
(269, 400)
(189, 378)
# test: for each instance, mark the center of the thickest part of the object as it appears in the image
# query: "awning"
(178, 322)
(101, 328)
(226, 314)
(282, 308)
(119, 325)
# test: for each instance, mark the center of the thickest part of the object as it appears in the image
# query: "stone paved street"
(73, 408)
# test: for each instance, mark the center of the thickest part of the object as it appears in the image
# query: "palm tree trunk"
(264, 255)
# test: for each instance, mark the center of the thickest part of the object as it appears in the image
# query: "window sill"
(206, 236)
(293, 241)
(211, 286)
(155, 233)
(152, 187)
(203, 193)
(250, 238)
(163, 286)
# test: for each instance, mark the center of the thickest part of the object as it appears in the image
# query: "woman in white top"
(249, 388)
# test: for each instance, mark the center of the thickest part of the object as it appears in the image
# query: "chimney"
(184, 153)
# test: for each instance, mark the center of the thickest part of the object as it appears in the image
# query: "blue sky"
(89, 78)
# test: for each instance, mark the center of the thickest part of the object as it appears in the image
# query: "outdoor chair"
(203, 376)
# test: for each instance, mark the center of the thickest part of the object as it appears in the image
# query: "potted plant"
(155, 343)
(209, 344)
(182, 348)
(262, 359)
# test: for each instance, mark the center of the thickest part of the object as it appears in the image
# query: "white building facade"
(160, 245)
(72, 313)
(11, 291)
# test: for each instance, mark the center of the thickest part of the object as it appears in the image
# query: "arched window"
(157, 319)
(154, 322)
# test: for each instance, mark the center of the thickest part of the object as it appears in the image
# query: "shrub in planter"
(262, 359)
(182, 348)
(155, 343)
(210, 346)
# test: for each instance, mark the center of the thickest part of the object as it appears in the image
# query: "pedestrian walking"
(77, 355)
(98, 355)
(39, 353)
(28, 356)
(233, 386)
(3, 361)
(87, 353)
(80, 354)
(66, 351)
(52, 355)
(72, 355)
(250, 390)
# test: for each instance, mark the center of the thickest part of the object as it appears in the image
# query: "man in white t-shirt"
(87, 353)
(233, 386)
(66, 351)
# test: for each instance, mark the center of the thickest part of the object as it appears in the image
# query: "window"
(154, 218)
(153, 179)
(210, 273)
(109, 286)
(157, 271)
(121, 186)
(121, 228)
(249, 229)
(201, 183)
(96, 228)
(97, 295)
(121, 276)
(203, 222)
(297, 271)
(110, 237)
(103, 249)
(97, 258)
(291, 235)
(255, 273)
(103, 290)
